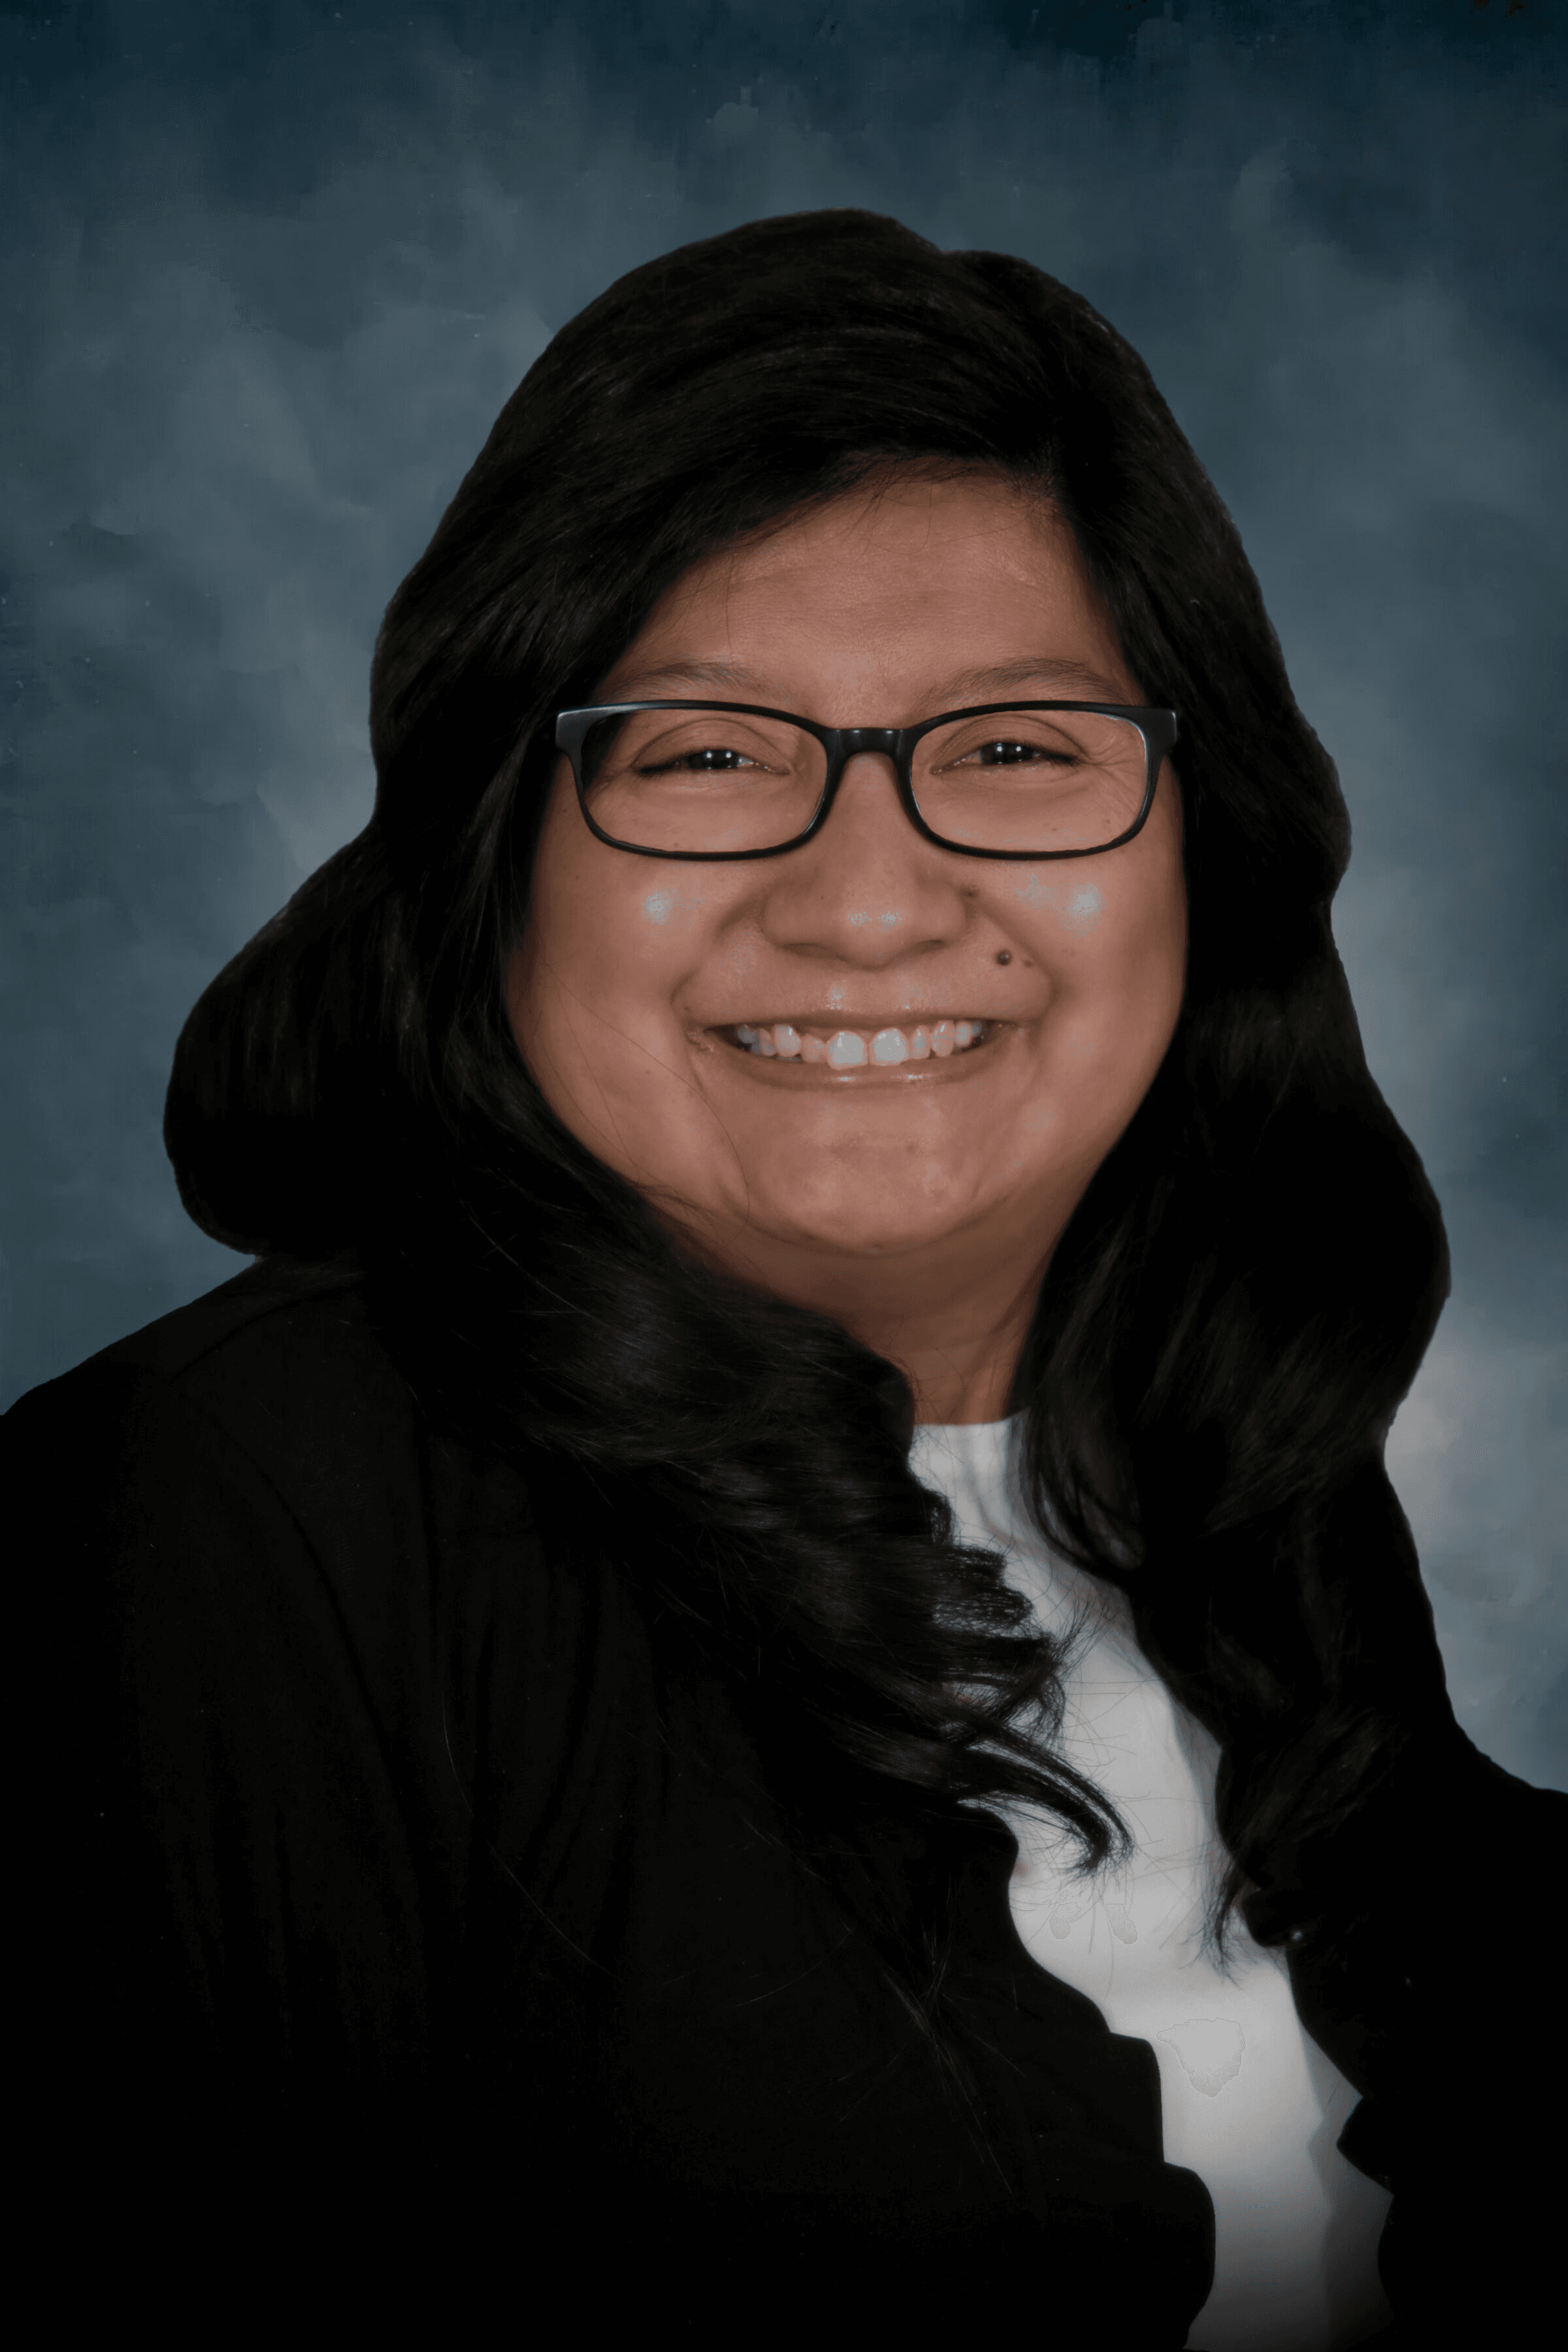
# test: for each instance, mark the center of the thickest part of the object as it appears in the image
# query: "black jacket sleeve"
(226, 1893)
(1432, 1989)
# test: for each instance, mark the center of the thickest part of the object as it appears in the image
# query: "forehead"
(898, 526)
(908, 585)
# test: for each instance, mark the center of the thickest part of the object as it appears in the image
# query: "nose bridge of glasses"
(850, 744)
(853, 739)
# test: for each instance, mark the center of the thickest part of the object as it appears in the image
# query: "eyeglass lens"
(723, 780)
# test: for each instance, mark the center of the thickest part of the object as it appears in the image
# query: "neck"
(959, 1353)
(962, 1368)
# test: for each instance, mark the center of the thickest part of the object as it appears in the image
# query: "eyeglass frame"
(1158, 727)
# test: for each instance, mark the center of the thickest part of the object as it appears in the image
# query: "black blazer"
(413, 1923)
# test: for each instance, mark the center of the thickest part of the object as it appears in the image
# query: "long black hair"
(1246, 1290)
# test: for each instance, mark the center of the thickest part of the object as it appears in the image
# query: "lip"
(837, 1019)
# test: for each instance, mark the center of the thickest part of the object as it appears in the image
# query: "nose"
(868, 889)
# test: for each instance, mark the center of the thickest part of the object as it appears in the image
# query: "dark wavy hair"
(1235, 1309)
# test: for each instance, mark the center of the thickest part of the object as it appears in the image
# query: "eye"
(1003, 754)
(711, 760)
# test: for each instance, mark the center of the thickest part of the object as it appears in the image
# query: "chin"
(873, 1224)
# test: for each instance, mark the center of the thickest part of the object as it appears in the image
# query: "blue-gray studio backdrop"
(271, 269)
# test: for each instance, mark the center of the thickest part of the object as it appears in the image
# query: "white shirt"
(1249, 2102)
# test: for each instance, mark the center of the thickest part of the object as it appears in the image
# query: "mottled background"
(271, 269)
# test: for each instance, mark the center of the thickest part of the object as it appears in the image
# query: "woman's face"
(636, 973)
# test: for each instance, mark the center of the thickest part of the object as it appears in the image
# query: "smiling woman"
(771, 1635)
(873, 1076)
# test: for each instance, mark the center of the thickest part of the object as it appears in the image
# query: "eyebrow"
(1070, 677)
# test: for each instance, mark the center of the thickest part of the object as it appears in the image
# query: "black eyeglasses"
(729, 780)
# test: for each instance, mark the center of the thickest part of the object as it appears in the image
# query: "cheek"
(603, 933)
(1059, 912)
(598, 984)
(1103, 937)
(1113, 952)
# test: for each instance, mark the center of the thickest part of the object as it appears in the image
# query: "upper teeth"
(847, 1049)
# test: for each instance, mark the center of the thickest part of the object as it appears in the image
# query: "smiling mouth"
(855, 1049)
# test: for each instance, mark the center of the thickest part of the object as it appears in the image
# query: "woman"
(771, 1631)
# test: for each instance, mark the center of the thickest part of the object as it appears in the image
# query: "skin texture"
(918, 1205)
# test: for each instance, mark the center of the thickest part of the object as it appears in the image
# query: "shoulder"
(254, 1318)
(244, 1347)
(280, 1370)
(249, 1488)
